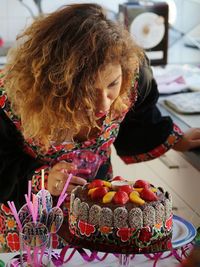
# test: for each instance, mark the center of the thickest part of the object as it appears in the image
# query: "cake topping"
(121, 197)
(147, 194)
(121, 191)
(141, 183)
(108, 197)
(126, 188)
(99, 192)
(135, 197)
(96, 183)
(118, 178)
(117, 184)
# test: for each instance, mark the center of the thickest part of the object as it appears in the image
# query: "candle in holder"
(37, 220)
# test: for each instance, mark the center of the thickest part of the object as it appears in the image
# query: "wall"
(14, 16)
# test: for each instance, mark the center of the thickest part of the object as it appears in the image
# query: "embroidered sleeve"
(16, 165)
(172, 139)
(144, 133)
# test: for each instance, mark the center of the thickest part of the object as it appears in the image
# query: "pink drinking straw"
(15, 214)
(36, 256)
(63, 194)
(28, 251)
(30, 206)
(35, 208)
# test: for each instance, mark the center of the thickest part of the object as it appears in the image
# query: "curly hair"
(51, 73)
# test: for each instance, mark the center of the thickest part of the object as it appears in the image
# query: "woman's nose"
(103, 102)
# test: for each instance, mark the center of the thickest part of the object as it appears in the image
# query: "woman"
(76, 81)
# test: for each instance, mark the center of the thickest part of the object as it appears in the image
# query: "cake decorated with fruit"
(120, 213)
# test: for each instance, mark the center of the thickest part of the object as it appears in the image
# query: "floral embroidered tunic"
(138, 135)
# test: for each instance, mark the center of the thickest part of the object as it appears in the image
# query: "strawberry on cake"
(120, 212)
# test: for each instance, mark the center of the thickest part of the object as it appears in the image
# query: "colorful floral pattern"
(125, 233)
(145, 235)
(139, 238)
(168, 223)
(13, 241)
(86, 228)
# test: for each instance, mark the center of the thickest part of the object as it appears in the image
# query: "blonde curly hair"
(51, 73)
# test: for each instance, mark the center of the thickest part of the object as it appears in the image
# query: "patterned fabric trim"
(172, 139)
(9, 237)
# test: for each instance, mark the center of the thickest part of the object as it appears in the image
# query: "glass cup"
(87, 164)
(35, 245)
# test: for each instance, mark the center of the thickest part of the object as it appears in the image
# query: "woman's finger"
(64, 165)
(78, 180)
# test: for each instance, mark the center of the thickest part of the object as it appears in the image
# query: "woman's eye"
(113, 84)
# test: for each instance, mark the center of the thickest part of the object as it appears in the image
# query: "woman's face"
(107, 85)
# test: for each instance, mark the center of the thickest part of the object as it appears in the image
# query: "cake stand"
(183, 233)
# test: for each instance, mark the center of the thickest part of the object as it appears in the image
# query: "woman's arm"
(16, 166)
(144, 133)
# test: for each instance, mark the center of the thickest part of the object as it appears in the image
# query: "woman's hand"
(57, 178)
(190, 140)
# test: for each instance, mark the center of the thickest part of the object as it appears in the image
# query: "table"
(183, 233)
(110, 261)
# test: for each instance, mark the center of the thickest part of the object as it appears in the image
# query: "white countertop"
(2, 61)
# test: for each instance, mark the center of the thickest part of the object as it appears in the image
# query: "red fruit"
(141, 183)
(126, 188)
(118, 178)
(96, 183)
(120, 197)
(99, 193)
(147, 194)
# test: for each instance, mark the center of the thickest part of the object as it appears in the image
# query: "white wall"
(14, 16)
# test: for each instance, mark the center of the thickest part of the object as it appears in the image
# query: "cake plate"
(183, 233)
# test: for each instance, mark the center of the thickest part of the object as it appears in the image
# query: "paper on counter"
(177, 78)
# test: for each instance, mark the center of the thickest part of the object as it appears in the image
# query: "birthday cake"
(120, 213)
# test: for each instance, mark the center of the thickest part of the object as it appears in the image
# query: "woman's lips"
(101, 114)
